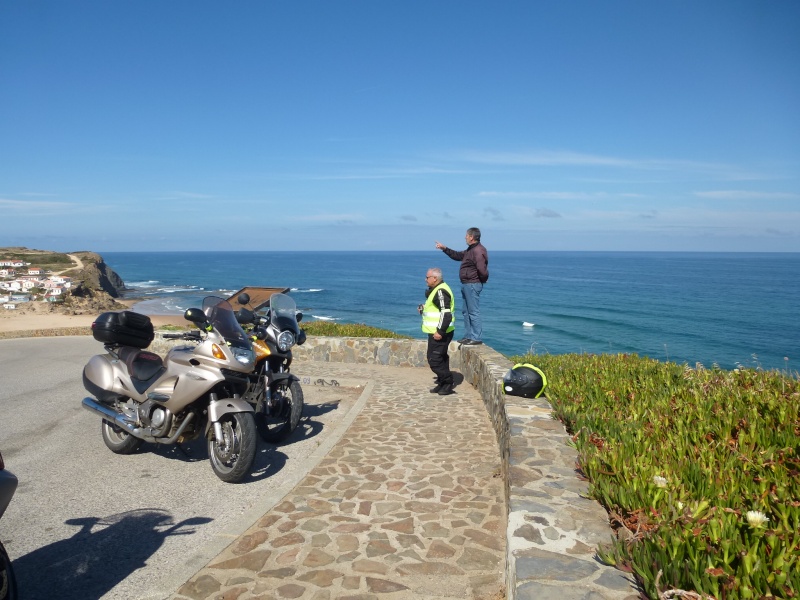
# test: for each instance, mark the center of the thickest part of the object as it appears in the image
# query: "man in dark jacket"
(474, 272)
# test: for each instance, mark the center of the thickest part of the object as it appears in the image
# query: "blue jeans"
(471, 311)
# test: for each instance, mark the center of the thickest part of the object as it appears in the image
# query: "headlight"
(244, 355)
(285, 340)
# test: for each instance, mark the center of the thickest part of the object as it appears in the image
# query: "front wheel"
(118, 440)
(287, 400)
(232, 456)
(8, 584)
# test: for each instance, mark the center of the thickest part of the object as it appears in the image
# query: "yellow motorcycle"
(274, 391)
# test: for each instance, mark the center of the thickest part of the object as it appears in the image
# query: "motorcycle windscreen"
(283, 312)
(221, 315)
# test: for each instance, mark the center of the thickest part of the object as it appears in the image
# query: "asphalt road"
(86, 523)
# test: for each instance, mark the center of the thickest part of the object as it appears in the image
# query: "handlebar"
(187, 335)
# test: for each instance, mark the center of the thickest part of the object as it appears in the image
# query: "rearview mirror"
(195, 315)
(244, 298)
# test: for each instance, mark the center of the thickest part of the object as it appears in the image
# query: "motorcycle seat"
(142, 365)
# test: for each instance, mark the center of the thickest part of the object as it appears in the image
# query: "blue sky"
(376, 125)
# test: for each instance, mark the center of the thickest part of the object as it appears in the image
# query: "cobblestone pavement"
(407, 504)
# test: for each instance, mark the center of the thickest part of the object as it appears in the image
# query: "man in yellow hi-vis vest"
(438, 321)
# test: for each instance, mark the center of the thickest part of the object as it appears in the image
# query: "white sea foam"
(308, 291)
(178, 290)
(322, 318)
(526, 324)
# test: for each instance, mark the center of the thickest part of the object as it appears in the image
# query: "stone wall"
(380, 351)
(553, 527)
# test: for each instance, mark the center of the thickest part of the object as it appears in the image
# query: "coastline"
(23, 323)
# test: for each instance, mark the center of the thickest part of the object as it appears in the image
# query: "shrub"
(698, 469)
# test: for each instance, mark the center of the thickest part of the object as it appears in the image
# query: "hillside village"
(24, 282)
(37, 280)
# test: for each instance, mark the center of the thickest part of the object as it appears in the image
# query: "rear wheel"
(232, 456)
(8, 584)
(287, 398)
(118, 440)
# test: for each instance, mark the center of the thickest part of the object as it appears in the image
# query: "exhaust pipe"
(109, 415)
(120, 421)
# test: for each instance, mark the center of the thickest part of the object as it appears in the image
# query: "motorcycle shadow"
(268, 461)
(100, 555)
(308, 428)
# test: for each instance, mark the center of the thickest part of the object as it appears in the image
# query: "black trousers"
(439, 359)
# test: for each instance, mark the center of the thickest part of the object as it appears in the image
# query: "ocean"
(725, 309)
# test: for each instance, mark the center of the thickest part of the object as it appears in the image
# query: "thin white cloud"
(327, 218)
(383, 173)
(35, 207)
(556, 158)
(185, 196)
(552, 158)
(746, 195)
(546, 213)
(545, 158)
(558, 195)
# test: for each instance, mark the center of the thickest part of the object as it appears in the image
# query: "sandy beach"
(26, 320)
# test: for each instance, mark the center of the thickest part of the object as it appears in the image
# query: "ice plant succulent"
(756, 518)
(710, 435)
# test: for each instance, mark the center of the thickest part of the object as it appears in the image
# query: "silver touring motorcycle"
(196, 390)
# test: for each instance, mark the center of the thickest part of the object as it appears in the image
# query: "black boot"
(446, 389)
(437, 388)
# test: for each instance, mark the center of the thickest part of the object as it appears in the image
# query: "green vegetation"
(698, 468)
(326, 328)
(37, 258)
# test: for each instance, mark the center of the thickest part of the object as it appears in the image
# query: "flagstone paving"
(409, 503)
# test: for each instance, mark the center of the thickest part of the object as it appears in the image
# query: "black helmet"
(524, 380)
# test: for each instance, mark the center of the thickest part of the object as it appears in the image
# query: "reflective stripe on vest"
(430, 314)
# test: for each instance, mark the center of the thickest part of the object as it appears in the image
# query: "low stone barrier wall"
(553, 527)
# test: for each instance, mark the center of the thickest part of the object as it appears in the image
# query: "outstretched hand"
(440, 246)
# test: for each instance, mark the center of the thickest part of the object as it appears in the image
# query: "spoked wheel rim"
(286, 413)
(226, 452)
(116, 434)
(118, 440)
(232, 456)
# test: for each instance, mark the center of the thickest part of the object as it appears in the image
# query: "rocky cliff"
(96, 276)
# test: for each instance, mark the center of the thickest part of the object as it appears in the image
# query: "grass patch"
(698, 469)
(326, 328)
